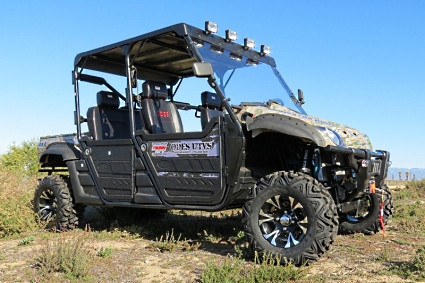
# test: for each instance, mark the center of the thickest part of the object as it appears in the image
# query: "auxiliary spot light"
(210, 27)
(265, 50)
(248, 43)
(231, 35)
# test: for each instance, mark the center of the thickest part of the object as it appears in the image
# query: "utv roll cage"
(165, 55)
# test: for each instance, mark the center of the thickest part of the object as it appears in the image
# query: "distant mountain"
(417, 173)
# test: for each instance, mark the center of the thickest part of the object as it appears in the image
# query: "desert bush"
(385, 255)
(66, 256)
(22, 158)
(409, 215)
(268, 268)
(26, 241)
(410, 218)
(169, 242)
(410, 190)
(104, 252)
(16, 193)
(414, 269)
(417, 188)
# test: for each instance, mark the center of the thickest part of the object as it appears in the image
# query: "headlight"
(332, 135)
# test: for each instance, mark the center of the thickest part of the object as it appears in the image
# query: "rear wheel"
(388, 204)
(292, 215)
(366, 219)
(53, 204)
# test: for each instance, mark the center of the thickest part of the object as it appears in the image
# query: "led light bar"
(248, 43)
(231, 35)
(210, 27)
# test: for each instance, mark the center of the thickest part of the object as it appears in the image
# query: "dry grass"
(16, 213)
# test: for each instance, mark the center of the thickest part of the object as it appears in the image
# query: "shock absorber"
(317, 165)
(306, 161)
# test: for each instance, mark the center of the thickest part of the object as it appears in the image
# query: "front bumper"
(369, 165)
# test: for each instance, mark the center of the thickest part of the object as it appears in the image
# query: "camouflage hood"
(332, 133)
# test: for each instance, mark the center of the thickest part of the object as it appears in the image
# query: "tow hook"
(372, 186)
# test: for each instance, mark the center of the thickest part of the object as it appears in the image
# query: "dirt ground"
(352, 258)
(355, 258)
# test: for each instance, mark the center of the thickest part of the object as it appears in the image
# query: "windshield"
(245, 81)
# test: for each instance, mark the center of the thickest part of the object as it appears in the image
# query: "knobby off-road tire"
(368, 222)
(291, 215)
(388, 204)
(53, 204)
(78, 207)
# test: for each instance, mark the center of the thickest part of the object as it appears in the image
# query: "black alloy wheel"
(292, 216)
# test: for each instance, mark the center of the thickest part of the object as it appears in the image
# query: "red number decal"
(164, 114)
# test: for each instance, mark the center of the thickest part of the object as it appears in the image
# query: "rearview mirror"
(202, 69)
(133, 74)
(301, 97)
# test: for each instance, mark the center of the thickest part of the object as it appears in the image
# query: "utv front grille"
(376, 167)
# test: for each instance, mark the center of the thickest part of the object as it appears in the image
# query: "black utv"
(180, 118)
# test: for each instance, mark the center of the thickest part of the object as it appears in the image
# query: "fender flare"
(286, 125)
(57, 154)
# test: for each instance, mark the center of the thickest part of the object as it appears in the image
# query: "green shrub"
(168, 242)
(105, 252)
(16, 194)
(414, 269)
(22, 158)
(26, 241)
(419, 260)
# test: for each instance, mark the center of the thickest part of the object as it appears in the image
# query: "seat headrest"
(107, 99)
(154, 90)
(210, 100)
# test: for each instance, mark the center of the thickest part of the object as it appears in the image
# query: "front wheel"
(53, 204)
(292, 215)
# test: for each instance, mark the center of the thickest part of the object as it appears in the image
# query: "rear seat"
(106, 121)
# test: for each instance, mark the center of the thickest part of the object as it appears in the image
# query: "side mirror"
(133, 74)
(79, 120)
(301, 97)
(202, 69)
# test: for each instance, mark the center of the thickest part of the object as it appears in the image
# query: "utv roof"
(161, 55)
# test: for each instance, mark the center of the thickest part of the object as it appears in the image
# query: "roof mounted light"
(231, 35)
(248, 43)
(265, 50)
(210, 27)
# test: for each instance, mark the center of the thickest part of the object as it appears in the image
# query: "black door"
(113, 161)
(188, 167)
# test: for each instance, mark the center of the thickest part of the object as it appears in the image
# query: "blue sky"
(359, 63)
